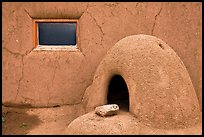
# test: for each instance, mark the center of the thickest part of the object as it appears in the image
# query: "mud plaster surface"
(160, 90)
(39, 79)
(124, 123)
(63, 120)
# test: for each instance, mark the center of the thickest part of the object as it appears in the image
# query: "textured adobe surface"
(49, 78)
(160, 90)
(122, 124)
(55, 78)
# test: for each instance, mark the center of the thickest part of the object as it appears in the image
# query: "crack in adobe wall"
(22, 55)
(130, 10)
(56, 62)
(15, 53)
(155, 19)
(11, 12)
(22, 72)
(99, 28)
(27, 52)
(70, 104)
(87, 6)
(27, 13)
(85, 11)
(48, 89)
(112, 4)
(53, 77)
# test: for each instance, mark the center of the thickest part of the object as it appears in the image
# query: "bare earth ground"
(38, 120)
(56, 120)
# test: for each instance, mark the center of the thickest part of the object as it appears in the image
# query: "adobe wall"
(48, 78)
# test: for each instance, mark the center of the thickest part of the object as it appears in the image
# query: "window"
(57, 34)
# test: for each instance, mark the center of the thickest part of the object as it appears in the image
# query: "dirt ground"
(25, 121)
(42, 121)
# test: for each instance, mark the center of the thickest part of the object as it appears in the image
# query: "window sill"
(56, 48)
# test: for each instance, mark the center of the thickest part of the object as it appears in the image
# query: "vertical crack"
(50, 84)
(22, 74)
(99, 28)
(22, 71)
(48, 89)
(87, 6)
(54, 75)
(130, 10)
(85, 11)
(155, 19)
(96, 23)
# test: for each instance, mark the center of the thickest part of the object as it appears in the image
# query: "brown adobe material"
(122, 124)
(49, 78)
(160, 90)
(43, 79)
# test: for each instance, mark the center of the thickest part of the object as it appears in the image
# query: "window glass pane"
(57, 33)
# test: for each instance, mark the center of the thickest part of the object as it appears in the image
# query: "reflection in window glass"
(57, 33)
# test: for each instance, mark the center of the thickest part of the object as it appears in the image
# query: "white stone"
(107, 110)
